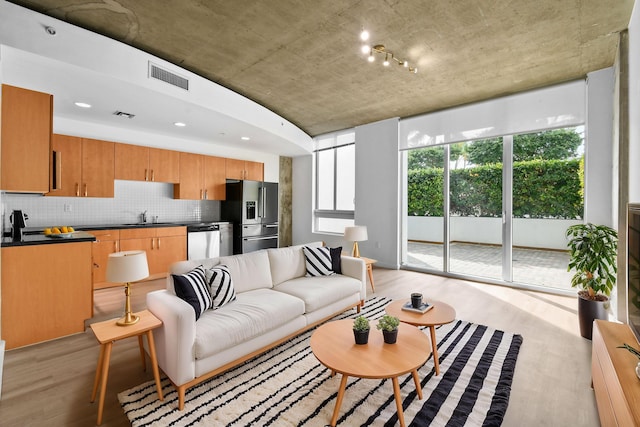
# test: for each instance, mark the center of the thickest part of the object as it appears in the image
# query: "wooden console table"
(616, 386)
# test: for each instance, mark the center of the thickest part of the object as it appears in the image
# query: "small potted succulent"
(389, 327)
(361, 330)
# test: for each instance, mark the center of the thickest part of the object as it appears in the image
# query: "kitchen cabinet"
(46, 292)
(201, 178)
(164, 246)
(244, 169)
(26, 138)
(107, 242)
(82, 167)
(137, 163)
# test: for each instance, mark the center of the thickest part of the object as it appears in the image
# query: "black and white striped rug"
(287, 386)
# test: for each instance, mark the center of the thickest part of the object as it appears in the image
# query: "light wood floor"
(49, 384)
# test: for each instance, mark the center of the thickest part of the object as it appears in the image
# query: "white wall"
(634, 105)
(378, 190)
(600, 194)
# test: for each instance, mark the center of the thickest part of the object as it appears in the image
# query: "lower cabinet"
(163, 245)
(46, 293)
(107, 242)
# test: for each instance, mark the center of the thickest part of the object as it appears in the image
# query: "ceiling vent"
(166, 76)
(123, 114)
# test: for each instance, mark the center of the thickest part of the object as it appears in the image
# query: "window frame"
(334, 145)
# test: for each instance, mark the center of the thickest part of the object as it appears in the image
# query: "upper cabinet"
(201, 178)
(136, 163)
(26, 138)
(244, 169)
(82, 167)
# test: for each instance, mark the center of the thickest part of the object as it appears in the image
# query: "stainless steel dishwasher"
(203, 241)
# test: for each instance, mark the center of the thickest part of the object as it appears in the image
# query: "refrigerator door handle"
(264, 201)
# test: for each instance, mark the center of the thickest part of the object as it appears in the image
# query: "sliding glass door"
(496, 208)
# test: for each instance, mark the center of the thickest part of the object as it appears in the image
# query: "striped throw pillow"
(219, 280)
(193, 288)
(318, 261)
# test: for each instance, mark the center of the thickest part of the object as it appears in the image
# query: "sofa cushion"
(249, 271)
(318, 261)
(288, 263)
(192, 287)
(251, 314)
(318, 292)
(336, 259)
(221, 284)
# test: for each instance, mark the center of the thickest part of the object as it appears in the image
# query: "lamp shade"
(127, 266)
(357, 233)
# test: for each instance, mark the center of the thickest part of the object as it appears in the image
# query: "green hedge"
(541, 189)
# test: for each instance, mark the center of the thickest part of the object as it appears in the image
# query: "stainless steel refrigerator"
(252, 206)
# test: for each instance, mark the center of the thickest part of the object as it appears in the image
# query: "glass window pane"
(346, 188)
(325, 179)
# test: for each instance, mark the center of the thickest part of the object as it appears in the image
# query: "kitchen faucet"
(143, 217)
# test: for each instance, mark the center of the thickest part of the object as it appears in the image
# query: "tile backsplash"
(131, 198)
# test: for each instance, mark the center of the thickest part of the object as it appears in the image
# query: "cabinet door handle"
(57, 171)
(146, 174)
(153, 243)
(201, 194)
(85, 190)
(206, 194)
(158, 243)
(153, 175)
(77, 190)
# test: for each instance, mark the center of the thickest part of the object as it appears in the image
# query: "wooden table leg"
(96, 380)
(103, 380)
(434, 349)
(416, 380)
(154, 363)
(144, 359)
(370, 273)
(336, 410)
(398, 396)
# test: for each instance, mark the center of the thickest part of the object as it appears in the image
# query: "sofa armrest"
(356, 268)
(176, 337)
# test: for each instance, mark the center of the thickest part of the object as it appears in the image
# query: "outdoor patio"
(530, 266)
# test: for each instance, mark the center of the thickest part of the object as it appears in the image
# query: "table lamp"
(126, 267)
(355, 234)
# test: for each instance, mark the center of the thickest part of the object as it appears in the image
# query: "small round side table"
(440, 314)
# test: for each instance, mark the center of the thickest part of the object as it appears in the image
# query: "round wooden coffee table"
(440, 314)
(334, 346)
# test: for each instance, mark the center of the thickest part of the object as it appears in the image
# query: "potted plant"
(361, 330)
(389, 327)
(592, 254)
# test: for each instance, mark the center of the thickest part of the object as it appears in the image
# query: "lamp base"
(356, 251)
(128, 319)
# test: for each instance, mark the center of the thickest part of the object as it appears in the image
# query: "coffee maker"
(18, 222)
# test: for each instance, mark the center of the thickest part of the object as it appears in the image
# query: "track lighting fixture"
(381, 49)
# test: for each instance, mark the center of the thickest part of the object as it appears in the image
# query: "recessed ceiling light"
(83, 104)
(180, 124)
(245, 138)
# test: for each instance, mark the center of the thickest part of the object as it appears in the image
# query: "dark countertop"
(35, 236)
(41, 239)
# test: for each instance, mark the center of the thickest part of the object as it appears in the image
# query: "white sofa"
(275, 301)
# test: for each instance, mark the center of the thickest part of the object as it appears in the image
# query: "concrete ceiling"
(302, 59)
